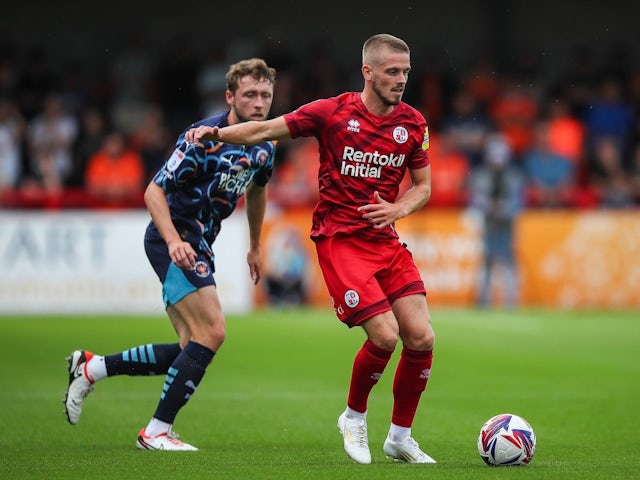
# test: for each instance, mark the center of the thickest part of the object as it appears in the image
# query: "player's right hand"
(182, 254)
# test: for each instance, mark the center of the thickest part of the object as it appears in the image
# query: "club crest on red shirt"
(400, 134)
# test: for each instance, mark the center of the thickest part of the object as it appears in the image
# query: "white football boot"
(356, 443)
(406, 451)
(165, 441)
(80, 384)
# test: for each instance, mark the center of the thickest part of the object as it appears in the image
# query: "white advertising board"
(94, 262)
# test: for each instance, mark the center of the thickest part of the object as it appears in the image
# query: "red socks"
(368, 367)
(410, 381)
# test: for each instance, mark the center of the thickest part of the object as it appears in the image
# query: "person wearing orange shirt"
(450, 172)
(115, 174)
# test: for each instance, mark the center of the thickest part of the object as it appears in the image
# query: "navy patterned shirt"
(203, 184)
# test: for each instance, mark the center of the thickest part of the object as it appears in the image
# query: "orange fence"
(565, 259)
(589, 259)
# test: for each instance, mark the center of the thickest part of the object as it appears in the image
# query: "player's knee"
(428, 341)
(218, 334)
(213, 336)
(386, 341)
(421, 343)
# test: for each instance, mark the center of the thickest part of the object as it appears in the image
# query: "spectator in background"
(610, 115)
(12, 127)
(93, 128)
(467, 126)
(635, 174)
(115, 174)
(432, 86)
(73, 87)
(633, 93)
(285, 267)
(450, 169)
(50, 141)
(566, 131)
(482, 79)
(608, 174)
(514, 113)
(152, 139)
(496, 192)
(567, 138)
(550, 177)
(296, 184)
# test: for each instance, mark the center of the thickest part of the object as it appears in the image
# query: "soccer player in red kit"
(367, 141)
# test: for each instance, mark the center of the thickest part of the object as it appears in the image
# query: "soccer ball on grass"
(506, 439)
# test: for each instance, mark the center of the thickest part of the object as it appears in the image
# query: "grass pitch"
(268, 406)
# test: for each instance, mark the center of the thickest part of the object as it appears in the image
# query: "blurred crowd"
(73, 136)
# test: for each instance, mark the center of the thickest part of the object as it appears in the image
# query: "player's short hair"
(256, 67)
(383, 39)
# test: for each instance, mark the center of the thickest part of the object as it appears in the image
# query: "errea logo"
(353, 125)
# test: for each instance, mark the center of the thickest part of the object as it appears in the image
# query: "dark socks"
(150, 359)
(182, 380)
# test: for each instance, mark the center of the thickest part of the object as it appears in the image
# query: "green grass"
(268, 405)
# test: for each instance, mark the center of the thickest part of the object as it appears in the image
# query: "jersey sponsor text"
(357, 163)
(235, 181)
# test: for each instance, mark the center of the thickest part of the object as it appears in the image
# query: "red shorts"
(364, 279)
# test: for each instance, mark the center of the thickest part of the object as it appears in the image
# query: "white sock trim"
(350, 413)
(96, 368)
(156, 427)
(398, 433)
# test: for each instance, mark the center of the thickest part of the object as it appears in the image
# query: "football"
(506, 439)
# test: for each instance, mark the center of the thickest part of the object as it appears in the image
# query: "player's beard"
(241, 118)
(390, 102)
(248, 118)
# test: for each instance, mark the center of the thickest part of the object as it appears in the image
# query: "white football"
(506, 439)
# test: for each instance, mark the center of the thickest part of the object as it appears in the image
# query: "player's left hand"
(381, 213)
(255, 265)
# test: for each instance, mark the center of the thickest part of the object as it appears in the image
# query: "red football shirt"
(360, 153)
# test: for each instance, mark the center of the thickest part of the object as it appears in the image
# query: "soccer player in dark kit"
(196, 189)
(367, 141)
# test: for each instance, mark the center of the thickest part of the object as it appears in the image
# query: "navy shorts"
(176, 282)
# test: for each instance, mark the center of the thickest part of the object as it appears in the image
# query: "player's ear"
(229, 97)
(366, 71)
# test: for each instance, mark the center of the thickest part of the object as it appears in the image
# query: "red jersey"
(360, 153)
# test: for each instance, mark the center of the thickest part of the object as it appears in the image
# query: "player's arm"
(244, 133)
(256, 204)
(181, 252)
(382, 213)
(418, 195)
